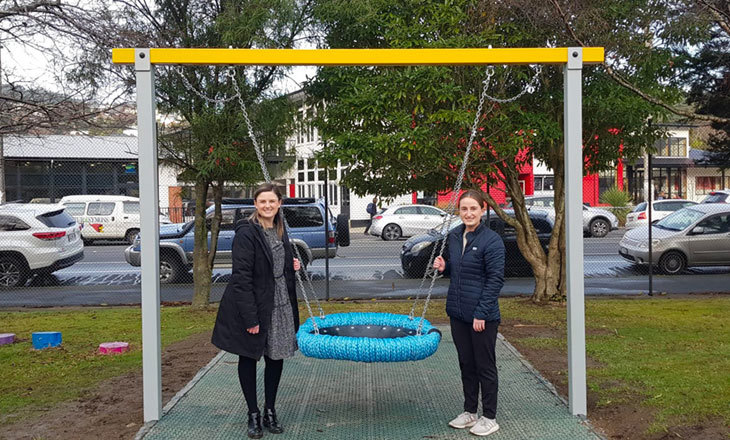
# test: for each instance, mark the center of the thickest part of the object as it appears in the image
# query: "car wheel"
(13, 273)
(672, 263)
(391, 232)
(599, 228)
(131, 235)
(171, 271)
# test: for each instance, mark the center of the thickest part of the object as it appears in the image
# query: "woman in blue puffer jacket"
(476, 268)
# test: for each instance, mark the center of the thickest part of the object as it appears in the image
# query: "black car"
(417, 250)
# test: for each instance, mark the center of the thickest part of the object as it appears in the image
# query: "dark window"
(100, 208)
(303, 216)
(430, 211)
(665, 206)
(131, 207)
(718, 224)
(9, 223)
(542, 226)
(549, 183)
(75, 209)
(407, 210)
(57, 219)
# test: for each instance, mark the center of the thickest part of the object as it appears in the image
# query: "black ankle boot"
(271, 422)
(254, 426)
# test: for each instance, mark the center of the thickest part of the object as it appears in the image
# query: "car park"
(105, 217)
(36, 239)
(416, 251)
(306, 219)
(639, 216)
(720, 196)
(597, 222)
(695, 236)
(400, 221)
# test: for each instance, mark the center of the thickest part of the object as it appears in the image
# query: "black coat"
(477, 276)
(249, 297)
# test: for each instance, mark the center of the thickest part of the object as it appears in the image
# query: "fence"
(41, 244)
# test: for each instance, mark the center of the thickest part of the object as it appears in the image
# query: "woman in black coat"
(258, 314)
(476, 268)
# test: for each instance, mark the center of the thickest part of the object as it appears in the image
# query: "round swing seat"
(368, 337)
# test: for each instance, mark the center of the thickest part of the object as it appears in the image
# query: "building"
(45, 168)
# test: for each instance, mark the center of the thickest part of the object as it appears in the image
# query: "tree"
(211, 145)
(405, 129)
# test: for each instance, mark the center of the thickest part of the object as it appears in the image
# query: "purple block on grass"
(43, 340)
(7, 338)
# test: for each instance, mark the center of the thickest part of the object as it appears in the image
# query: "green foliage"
(403, 129)
(616, 197)
(620, 200)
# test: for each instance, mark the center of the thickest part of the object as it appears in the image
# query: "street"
(103, 277)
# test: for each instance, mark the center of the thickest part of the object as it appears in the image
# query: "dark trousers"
(247, 378)
(368, 224)
(478, 364)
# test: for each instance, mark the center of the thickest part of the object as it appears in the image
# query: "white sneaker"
(464, 420)
(484, 426)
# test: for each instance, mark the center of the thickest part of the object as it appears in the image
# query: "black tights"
(247, 377)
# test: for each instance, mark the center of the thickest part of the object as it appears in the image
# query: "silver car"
(695, 236)
(597, 222)
(660, 209)
(395, 222)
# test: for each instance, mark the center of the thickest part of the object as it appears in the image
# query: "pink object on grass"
(113, 347)
(7, 338)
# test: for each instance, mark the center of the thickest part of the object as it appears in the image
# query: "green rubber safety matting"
(325, 399)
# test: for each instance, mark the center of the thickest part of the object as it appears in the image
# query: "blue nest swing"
(368, 337)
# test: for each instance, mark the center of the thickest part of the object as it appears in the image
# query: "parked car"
(416, 251)
(36, 238)
(695, 236)
(399, 221)
(105, 217)
(721, 196)
(597, 222)
(304, 216)
(660, 209)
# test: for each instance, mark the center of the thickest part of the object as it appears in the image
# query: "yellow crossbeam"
(359, 57)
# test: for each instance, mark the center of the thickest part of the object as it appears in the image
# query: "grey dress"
(281, 342)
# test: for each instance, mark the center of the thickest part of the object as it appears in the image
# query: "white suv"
(36, 238)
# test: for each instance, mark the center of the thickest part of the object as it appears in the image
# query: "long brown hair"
(278, 220)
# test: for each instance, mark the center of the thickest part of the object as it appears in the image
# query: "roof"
(711, 208)
(71, 147)
(98, 198)
(32, 208)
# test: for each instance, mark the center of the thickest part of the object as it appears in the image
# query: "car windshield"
(679, 220)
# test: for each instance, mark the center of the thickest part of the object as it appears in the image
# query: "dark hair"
(474, 194)
(278, 221)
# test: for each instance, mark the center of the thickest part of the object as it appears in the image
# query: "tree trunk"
(202, 273)
(548, 269)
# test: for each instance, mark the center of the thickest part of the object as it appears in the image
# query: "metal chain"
(529, 88)
(260, 156)
(191, 88)
(267, 177)
(455, 193)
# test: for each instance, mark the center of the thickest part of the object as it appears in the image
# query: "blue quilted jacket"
(477, 277)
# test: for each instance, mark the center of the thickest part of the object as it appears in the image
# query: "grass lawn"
(672, 353)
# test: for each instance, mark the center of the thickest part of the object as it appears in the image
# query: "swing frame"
(144, 60)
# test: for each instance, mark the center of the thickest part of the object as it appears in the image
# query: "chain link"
(264, 170)
(529, 88)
